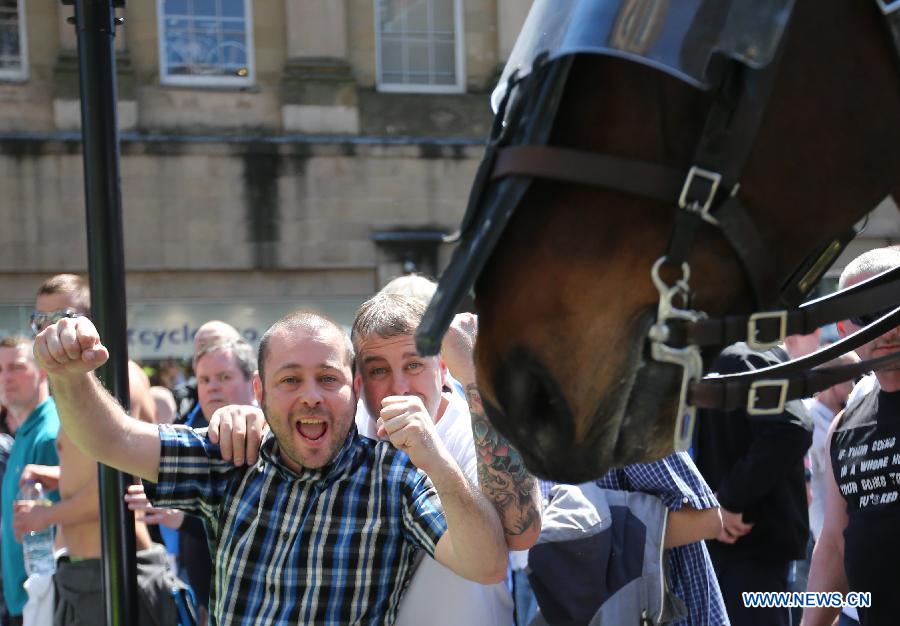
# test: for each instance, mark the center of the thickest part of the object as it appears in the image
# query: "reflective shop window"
(206, 42)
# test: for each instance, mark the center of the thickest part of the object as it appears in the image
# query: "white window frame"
(207, 81)
(20, 74)
(459, 43)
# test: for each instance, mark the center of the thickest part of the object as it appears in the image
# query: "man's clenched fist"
(70, 347)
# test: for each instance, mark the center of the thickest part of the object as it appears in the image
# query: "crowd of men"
(335, 478)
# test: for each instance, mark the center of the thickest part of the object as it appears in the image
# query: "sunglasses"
(868, 318)
(40, 321)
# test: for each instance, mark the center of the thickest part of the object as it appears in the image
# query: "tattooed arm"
(501, 471)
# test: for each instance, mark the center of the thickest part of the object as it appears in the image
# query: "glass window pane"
(206, 26)
(387, 15)
(176, 7)
(443, 15)
(234, 29)
(419, 58)
(417, 17)
(444, 79)
(232, 54)
(393, 78)
(233, 8)
(9, 39)
(391, 57)
(204, 7)
(445, 58)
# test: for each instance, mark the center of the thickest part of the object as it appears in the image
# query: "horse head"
(565, 300)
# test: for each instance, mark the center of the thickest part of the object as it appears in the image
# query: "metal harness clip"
(688, 358)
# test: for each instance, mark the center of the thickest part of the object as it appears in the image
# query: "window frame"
(460, 57)
(236, 82)
(21, 74)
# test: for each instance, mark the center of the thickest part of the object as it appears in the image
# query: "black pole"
(95, 24)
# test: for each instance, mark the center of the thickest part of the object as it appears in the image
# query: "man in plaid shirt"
(322, 529)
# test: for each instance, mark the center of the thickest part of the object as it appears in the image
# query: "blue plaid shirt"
(678, 483)
(328, 546)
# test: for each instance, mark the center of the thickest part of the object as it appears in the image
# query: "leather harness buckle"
(753, 331)
(687, 200)
(753, 396)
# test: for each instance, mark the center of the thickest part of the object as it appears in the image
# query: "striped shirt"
(329, 546)
(677, 482)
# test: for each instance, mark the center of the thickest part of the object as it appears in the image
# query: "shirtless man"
(77, 514)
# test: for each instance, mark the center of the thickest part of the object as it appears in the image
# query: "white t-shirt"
(436, 596)
(820, 455)
(863, 388)
(820, 464)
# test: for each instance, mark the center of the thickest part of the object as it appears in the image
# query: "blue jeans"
(525, 603)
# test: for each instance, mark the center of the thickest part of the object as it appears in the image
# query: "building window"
(205, 42)
(419, 45)
(13, 49)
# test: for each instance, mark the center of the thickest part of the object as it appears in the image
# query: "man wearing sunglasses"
(859, 548)
(77, 514)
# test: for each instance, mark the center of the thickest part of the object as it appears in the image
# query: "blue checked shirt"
(677, 482)
(328, 546)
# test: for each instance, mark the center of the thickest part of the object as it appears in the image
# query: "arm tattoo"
(501, 472)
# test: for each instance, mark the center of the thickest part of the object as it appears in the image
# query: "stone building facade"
(274, 153)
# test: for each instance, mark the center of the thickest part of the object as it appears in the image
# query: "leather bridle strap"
(758, 390)
(729, 134)
(765, 395)
(763, 330)
(630, 176)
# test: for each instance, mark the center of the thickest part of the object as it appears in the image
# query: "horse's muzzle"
(537, 420)
(630, 425)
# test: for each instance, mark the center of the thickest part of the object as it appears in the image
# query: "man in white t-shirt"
(823, 407)
(389, 367)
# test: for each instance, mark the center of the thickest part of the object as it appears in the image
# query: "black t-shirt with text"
(865, 459)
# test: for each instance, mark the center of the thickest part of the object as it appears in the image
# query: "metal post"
(95, 24)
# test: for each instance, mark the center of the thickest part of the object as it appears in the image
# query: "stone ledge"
(318, 81)
(416, 114)
(65, 76)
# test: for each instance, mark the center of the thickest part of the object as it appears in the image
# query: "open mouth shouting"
(311, 429)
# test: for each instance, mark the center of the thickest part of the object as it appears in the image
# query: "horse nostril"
(535, 416)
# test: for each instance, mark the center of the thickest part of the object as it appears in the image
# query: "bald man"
(858, 549)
